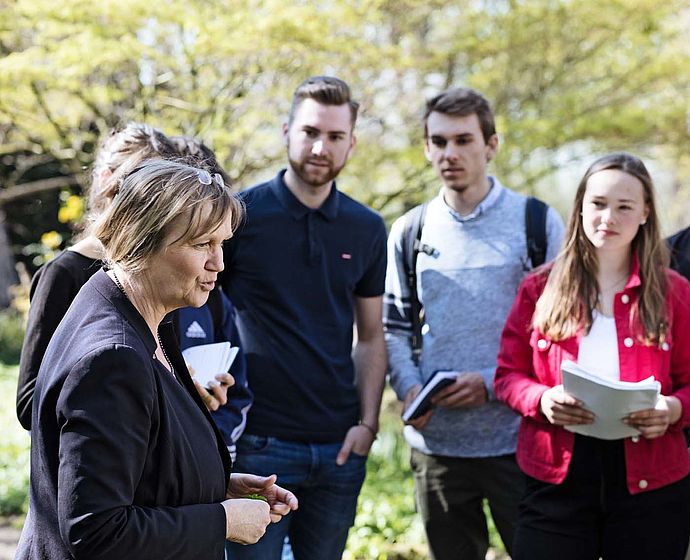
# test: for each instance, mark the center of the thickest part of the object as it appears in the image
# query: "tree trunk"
(8, 275)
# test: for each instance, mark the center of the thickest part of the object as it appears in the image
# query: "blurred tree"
(221, 71)
(567, 79)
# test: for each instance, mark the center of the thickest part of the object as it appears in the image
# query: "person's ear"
(427, 150)
(106, 188)
(109, 193)
(353, 143)
(491, 147)
(286, 132)
(646, 215)
(103, 175)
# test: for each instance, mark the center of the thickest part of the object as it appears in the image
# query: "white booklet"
(609, 400)
(208, 360)
(422, 402)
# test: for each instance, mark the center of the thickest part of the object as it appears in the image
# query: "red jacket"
(529, 363)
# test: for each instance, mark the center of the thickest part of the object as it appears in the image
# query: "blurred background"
(568, 80)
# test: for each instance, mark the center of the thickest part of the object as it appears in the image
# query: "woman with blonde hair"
(610, 303)
(57, 283)
(126, 461)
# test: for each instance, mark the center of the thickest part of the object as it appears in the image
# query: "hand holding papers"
(610, 401)
(422, 402)
(208, 360)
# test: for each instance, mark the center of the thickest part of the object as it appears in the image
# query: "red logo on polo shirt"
(346, 256)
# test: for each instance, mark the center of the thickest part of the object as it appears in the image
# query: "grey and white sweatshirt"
(467, 288)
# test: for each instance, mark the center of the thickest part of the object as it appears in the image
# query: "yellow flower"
(71, 210)
(51, 239)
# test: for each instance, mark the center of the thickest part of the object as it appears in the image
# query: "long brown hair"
(571, 290)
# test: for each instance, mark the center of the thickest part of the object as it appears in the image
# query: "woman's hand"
(562, 409)
(653, 422)
(217, 394)
(280, 501)
(245, 520)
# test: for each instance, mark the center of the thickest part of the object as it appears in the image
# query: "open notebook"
(609, 400)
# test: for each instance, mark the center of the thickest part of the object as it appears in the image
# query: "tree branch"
(34, 187)
(49, 116)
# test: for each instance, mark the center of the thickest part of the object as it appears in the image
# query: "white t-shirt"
(598, 351)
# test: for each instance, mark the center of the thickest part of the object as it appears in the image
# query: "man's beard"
(309, 177)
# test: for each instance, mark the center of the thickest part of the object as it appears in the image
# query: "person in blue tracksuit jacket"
(214, 322)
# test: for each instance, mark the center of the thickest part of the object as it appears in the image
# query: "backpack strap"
(411, 245)
(535, 230)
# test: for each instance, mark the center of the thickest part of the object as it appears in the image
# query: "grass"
(14, 449)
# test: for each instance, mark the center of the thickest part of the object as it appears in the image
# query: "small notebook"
(208, 360)
(609, 400)
(422, 401)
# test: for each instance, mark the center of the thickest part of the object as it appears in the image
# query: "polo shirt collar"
(329, 208)
(495, 190)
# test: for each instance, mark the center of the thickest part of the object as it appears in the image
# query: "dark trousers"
(592, 514)
(450, 492)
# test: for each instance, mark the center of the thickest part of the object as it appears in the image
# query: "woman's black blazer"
(125, 459)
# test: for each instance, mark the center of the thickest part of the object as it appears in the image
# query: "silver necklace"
(158, 335)
(611, 287)
(165, 354)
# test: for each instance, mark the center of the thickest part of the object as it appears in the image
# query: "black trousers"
(450, 493)
(592, 514)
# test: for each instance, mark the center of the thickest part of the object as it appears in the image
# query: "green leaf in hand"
(255, 497)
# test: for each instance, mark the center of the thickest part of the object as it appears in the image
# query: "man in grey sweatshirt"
(463, 449)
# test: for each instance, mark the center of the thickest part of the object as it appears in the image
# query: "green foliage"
(14, 449)
(596, 74)
(11, 336)
(387, 526)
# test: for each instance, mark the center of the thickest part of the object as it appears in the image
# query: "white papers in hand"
(422, 402)
(609, 400)
(208, 360)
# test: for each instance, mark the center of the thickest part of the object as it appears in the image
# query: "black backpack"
(535, 230)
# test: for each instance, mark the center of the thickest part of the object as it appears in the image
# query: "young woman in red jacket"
(610, 303)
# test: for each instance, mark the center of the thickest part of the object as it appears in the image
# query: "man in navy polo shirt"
(307, 264)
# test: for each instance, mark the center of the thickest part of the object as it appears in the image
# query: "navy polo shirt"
(679, 244)
(293, 274)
